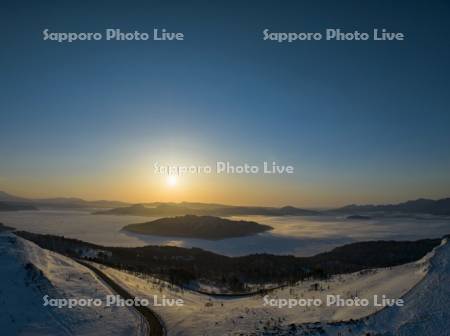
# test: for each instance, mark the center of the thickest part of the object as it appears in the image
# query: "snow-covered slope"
(251, 315)
(427, 306)
(426, 311)
(29, 272)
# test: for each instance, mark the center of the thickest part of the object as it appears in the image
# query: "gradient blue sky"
(360, 121)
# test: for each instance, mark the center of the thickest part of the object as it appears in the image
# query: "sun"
(171, 181)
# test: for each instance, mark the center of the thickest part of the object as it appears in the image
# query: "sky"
(360, 121)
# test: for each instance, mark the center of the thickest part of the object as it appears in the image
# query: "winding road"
(154, 321)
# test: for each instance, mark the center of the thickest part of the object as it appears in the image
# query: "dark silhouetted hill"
(203, 227)
(439, 207)
(182, 265)
(58, 202)
(9, 206)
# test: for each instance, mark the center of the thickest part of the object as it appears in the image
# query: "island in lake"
(202, 227)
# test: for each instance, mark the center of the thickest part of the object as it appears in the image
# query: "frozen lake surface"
(301, 236)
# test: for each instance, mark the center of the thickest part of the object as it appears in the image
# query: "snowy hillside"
(29, 272)
(251, 315)
(426, 311)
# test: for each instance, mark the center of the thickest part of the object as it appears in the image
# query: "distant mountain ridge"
(58, 202)
(5, 206)
(13, 203)
(199, 209)
(439, 207)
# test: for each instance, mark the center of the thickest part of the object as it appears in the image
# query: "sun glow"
(171, 181)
